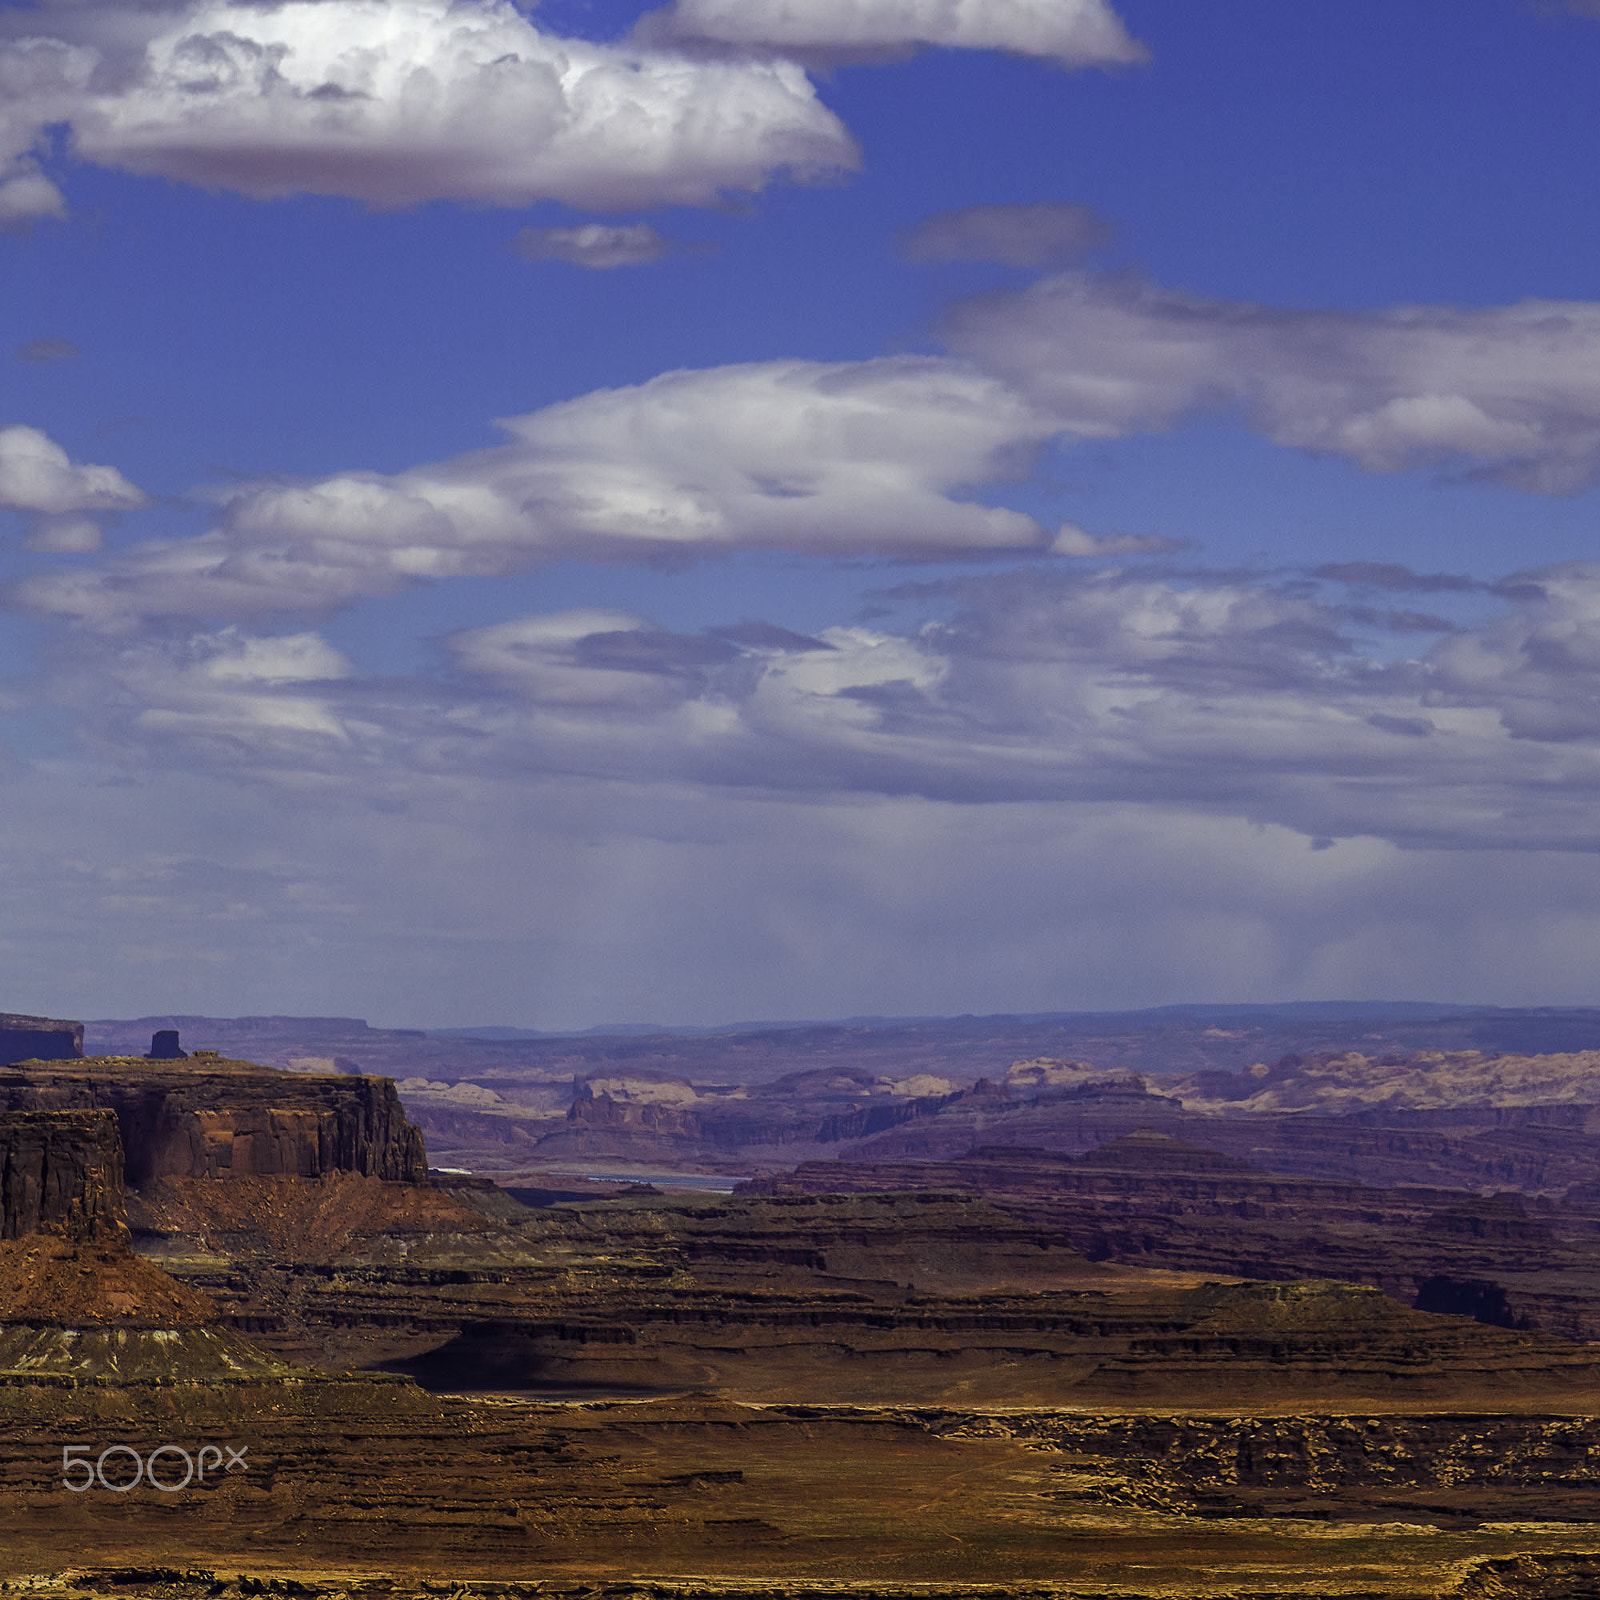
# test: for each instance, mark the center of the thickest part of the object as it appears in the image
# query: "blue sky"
(595, 512)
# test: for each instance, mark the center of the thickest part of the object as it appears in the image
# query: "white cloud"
(1538, 668)
(1072, 33)
(594, 245)
(27, 197)
(1047, 234)
(843, 459)
(1513, 391)
(879, 457)
(399, 101)
(37, 475)
(266, 699)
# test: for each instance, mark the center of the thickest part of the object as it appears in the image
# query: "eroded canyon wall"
(61, 1174)
(214, 1119)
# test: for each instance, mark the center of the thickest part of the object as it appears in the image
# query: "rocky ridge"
(1423, 1080)
(923, 1296)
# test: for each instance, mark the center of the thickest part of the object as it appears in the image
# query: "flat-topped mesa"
(61, 1174)
(207, 1117)
(38, 1039)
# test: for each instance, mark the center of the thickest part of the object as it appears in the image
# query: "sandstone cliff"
(210, 1118)
(77, 1306)
(61, 1174)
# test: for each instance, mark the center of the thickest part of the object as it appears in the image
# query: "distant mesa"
(38, 1039)
(164, 1046)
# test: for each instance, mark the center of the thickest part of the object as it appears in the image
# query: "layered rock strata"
(1532, 1148)
(77, 1307)
(61, 1174)
(393, 1495)
(1150, 1200)
(1220, 1346)
(1394, 1563)
(1417, 1081)
(211, 1118)
(653, 1122)
(912, 1297)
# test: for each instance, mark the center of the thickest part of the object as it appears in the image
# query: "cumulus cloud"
(394, 102)
(45, 350)
(1071, 33)
(1511, 392)
(37, 475)
(879, 458)
(1048, 234)
(864, 458)
(594, 245)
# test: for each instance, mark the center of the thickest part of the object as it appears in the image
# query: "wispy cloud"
(46, 350)
(594, 245)
(1071, 540)
(1047, 234)
(26, 195)
(1071, 33)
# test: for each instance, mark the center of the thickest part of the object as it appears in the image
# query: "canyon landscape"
(877, 1326)
(737, 741)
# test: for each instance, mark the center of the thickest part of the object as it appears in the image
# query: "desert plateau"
(1179, 1338)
